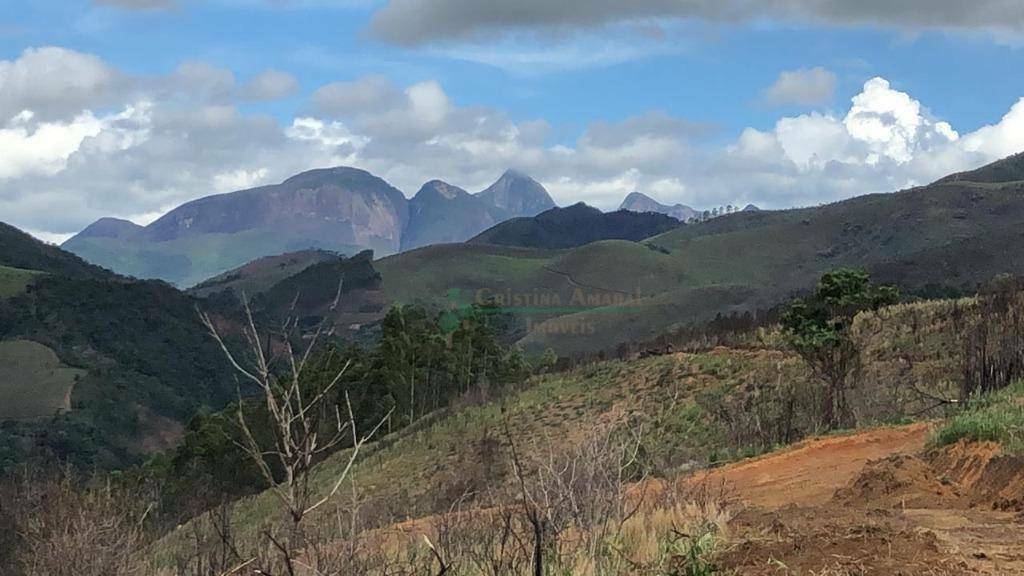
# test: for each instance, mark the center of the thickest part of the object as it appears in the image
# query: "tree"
(818, 329)
(299, 425)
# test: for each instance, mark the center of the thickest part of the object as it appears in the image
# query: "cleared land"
(33, 382)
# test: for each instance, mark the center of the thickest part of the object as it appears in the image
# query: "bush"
(995, 418)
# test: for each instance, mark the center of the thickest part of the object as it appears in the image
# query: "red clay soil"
(809, 473)
(876, 503)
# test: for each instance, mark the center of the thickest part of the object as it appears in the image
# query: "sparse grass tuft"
(995, 418)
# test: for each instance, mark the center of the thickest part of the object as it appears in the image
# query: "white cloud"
(1002, 139)
(56, 83)
(804, 87)
(167, 146)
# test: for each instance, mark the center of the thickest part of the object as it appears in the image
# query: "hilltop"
(342, 209)
(950, 235)
(574, 226)
(639, 202)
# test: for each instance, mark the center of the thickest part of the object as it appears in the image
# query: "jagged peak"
(442, 189)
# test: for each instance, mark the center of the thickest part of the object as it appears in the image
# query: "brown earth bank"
(876, 502)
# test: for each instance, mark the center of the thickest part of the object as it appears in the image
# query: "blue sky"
(594, 101)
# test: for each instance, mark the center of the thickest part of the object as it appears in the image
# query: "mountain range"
(340, 209)
(946, 237)
(125, 362)
(640, 202)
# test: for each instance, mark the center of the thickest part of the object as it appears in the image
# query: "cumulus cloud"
(417, 22)
(182, 136)
(804, 87)
(56, 82)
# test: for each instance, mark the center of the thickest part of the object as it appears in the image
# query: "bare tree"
(68, 528)
(297, 424)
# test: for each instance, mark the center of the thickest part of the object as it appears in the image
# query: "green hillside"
(33, 382)
(189, 260)
(259, 275)
(14, 281)
(953, 234)
(575, 225)
(19, 250)
(693, 409)
(141, 361)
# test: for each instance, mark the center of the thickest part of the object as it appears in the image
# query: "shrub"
(995, 418)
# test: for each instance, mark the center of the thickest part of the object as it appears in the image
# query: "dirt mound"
(961, 476)
(900, 481)
(876, 502)
(810, 473)
(840, 543)
(987, 477)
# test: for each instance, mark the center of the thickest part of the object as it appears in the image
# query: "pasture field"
(33, 382)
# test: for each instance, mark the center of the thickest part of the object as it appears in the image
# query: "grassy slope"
(260, 275)
(999, 418)
(191, 260)
(428, 274)
(14, 281)
(419, 473)
(952, 233)
(33, 382)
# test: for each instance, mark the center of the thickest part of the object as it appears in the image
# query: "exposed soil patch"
(809, 473)
(877, 503)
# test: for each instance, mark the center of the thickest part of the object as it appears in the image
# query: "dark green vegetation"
(1006, 170)
(19, 250)
(947, 237)
(343, 210)
(819, 330)
(574, 226)
(141, 361)
(418, 365)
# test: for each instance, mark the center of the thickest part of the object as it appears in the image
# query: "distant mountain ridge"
(441, 213)
(574, 226)
(951, 235)
(640, 202)
(344, 210)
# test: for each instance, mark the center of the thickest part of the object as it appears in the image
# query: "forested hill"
(134, 362)
(576, 225)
